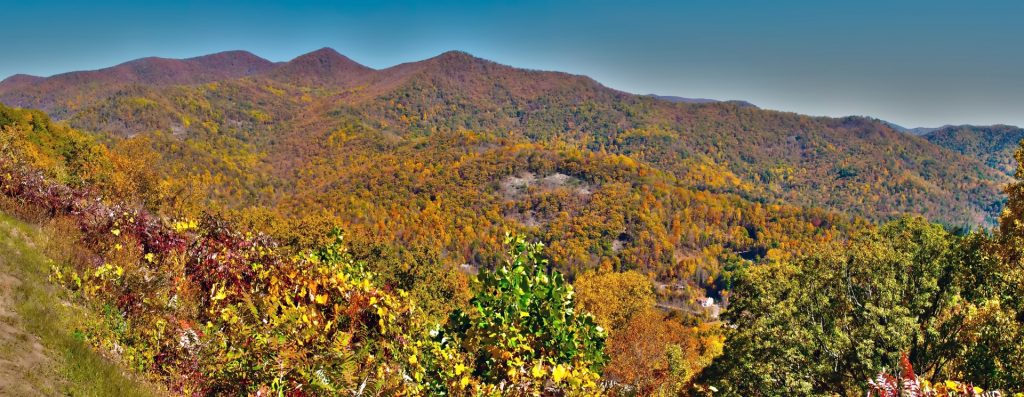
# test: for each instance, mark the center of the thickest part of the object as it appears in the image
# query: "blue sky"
(916, 63)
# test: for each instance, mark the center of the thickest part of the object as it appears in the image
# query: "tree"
(522, 334)
(613, 297)
(1011, 237)
(829, 320)
(436, 288)
(643, 349)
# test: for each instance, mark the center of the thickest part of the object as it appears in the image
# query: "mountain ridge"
(802, 160)
(995, 145)
(160, 70)
(55, 92)
(679, 99)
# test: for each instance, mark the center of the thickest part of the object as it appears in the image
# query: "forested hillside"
(267, 121)
(207, 307)
(993, 145)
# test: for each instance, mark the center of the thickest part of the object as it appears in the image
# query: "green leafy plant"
(521, 334)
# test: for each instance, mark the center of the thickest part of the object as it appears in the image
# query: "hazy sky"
(916, 63)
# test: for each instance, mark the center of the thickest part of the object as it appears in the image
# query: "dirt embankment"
(39, 354)
(24, 362)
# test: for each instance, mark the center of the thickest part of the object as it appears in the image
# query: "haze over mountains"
(234, 100)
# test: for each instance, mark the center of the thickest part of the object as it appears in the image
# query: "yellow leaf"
(321, 299)
(538, 371)
(558, 373)
(220, 294)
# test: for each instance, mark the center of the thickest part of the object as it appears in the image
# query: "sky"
(915, 63)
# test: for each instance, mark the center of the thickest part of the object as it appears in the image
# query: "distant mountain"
(993, 145)
(912, 131)
(679, 99)
(59, 94)
(264, 126)
(21, 81)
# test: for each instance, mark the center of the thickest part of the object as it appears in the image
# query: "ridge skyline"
(268, 66)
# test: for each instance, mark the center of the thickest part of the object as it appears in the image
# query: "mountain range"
(601, 174)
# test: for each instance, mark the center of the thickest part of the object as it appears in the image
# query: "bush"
(522, 335)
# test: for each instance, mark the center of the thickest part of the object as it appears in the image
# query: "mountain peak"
(456, 54)
(455, 57)
(323, 66)
(17, 83)
(322, 52)
(21, 79)
(232, 58)
(326, 58)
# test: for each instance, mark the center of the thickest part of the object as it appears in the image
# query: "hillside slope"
(440, 198)
(993, 145)
(39, 352)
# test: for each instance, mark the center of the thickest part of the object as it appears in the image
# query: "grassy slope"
(39, 354)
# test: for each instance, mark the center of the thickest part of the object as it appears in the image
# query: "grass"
(74, 368)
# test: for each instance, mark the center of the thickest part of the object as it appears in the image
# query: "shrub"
(522, 335)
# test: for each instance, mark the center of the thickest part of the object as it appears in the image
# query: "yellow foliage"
(613, 298)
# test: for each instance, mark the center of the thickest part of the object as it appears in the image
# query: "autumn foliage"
(214, 311)
(159, 233)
